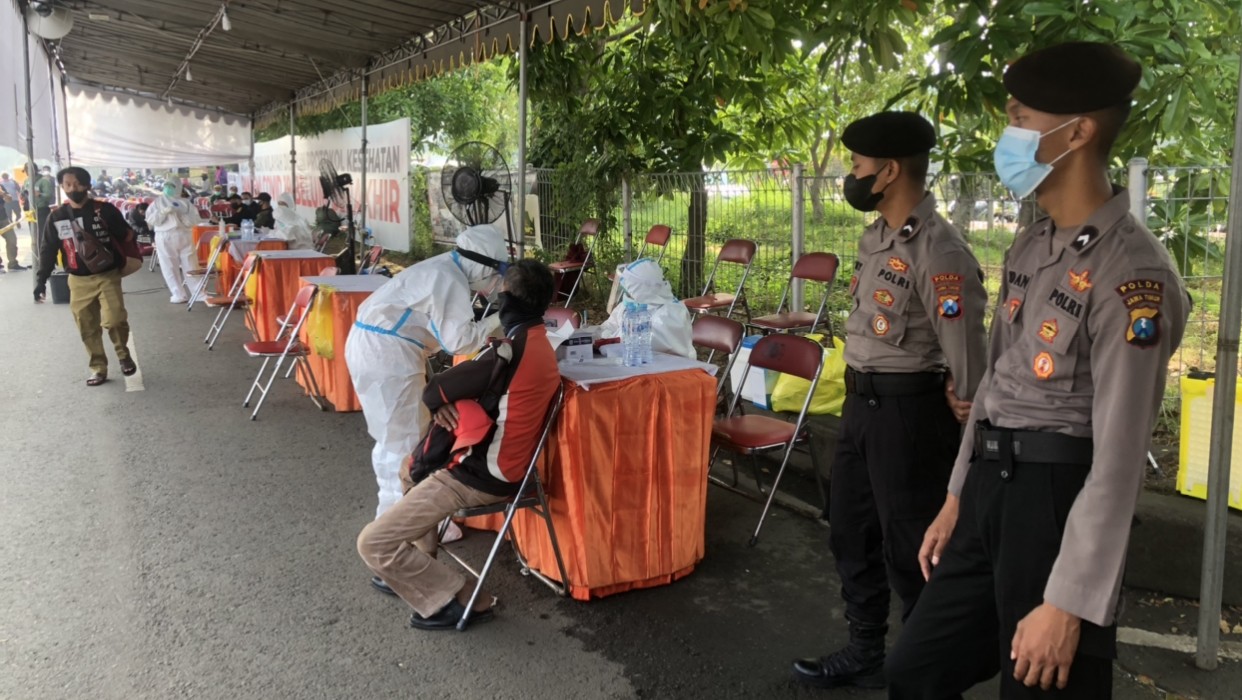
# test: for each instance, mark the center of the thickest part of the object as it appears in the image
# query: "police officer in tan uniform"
(915, 350)
(1039, 507)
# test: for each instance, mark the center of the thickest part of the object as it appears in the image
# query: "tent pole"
(362, 205)
(250, 160)
(1212, 577)
(51, 94)
(64, 101)
(32, 170)
(293, 154)
(523, 24)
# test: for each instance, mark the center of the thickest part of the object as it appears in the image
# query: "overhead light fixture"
(188, 78)
(169, 101)
(225, 24)
(43, 8)
(98, 16)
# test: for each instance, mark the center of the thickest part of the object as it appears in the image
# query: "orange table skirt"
(202, 241)
(626, 476)
(229, 267)
(276, 282)
(331, 373)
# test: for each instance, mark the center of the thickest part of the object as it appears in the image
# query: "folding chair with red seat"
(529, 495)
(208, 273)
(370, 260)
(280, 348)
(561, 316)
(718, 334)
(811, 267)
(751, 435)
(657, 237)
(236, 298)
(736, 251)
(221, 207)
(565, 270)
(322, 242)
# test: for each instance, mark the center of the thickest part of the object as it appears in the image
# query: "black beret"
(890, 135)
(265, 197)
(1073, 78)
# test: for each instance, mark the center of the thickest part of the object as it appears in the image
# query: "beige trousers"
(400, 545)
(97, 304)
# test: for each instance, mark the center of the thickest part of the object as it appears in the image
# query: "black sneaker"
(16, 267)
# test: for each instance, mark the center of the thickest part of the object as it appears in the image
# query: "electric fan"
(477, 186)
(336, 190)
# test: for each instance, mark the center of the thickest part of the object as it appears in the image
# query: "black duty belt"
(903, 384)
(1010, 447)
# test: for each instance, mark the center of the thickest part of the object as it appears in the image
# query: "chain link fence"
(1185, 207)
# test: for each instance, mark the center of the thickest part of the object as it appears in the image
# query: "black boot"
(860, 663)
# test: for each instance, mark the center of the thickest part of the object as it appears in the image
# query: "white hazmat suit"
(643, 281)
(173, 218)
(425, 308)
(289, 224)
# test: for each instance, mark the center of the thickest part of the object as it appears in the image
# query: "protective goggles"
(499, 266)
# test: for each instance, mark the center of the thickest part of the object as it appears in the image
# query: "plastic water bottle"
(644, 334)
(629, 336)
(247, 227)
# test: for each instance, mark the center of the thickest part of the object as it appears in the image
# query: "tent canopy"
(312, 50)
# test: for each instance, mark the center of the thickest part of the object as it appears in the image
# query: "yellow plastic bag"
(319, 324)
(790, 391)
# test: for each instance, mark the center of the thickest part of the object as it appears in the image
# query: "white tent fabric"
(122, 130)
(13, 92)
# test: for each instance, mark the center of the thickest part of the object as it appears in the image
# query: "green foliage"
(1189, 52)
(472, 104)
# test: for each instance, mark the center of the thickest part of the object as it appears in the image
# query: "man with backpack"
(87, 234)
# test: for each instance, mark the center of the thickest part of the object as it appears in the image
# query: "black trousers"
(889, 480)
(991, 575)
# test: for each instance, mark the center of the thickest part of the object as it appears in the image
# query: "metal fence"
(1185, 207)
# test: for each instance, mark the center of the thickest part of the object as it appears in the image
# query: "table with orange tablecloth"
(201, 234)
(626, 477)
(275, 283)
(327, 328)
(229, 265)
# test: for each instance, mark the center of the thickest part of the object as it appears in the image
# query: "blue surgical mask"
(1015, 162)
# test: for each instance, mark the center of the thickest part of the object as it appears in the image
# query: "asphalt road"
(158, 544)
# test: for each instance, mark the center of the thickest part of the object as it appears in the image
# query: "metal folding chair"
(235, 298)
(322, 242)
(589, 229)
(718, 334)
(657, 237)
(753, 434)
(736, 251)
(370, 260)
(206, 274)
(811, 267)
(530, 495)
(280, 349)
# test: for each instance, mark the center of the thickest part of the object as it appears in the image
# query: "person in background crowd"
(12, 206)
(233, 191)
(426, 308)
(217, 193)
(264, 217)
(488, 461)
(234, 219)
(290, 226)
(250, 208)
(44, 198)
(915, 355)
(222, 176)
(1026, 556)
(137, 218)
(173, 218)
(95, 295)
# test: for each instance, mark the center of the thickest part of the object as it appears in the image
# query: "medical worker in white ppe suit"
(173, 218)
(643, 281)
(425, 308)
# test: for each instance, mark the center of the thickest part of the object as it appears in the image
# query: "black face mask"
(514, 312)
(858, 192)
(77, 197)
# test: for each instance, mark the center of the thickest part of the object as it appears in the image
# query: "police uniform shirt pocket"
(1053, 330)
(886, 311)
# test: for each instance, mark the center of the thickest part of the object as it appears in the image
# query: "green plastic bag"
(790, 391)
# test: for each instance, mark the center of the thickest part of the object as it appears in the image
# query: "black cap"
(890, 135)
(1073, 78)
(265, 197)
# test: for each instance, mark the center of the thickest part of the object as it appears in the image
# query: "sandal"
(128, 367)
(96, 379)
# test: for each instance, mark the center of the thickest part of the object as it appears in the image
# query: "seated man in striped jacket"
(512, 381)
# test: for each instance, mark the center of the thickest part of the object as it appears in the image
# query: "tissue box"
(759, 382)
(576, 348)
